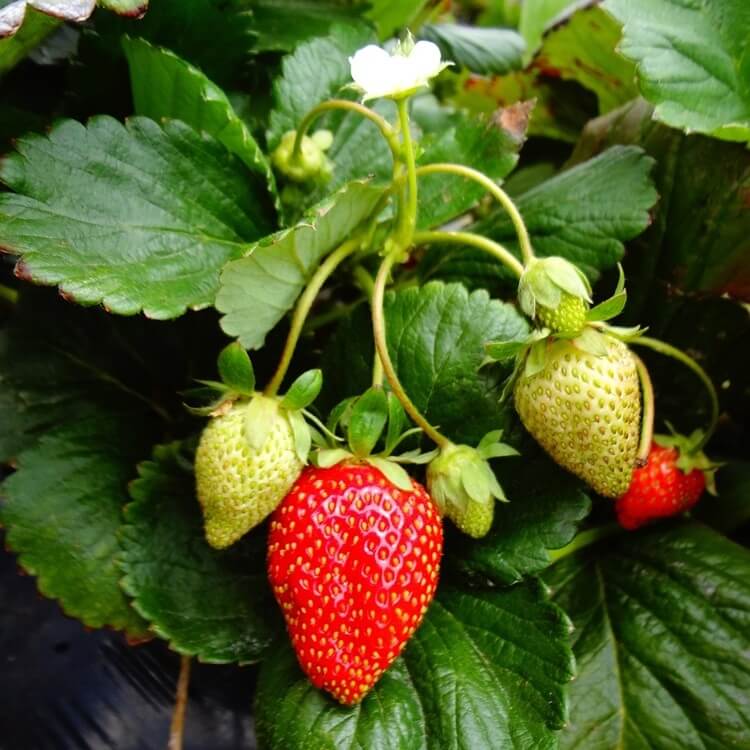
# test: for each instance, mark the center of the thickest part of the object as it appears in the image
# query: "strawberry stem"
(672, 351)
(647, 420)
(495, 249)
(378, 328)
(305, 302)
(383, 125)
(177, 729)
(408, 212)
(497, 192)
(584, 539)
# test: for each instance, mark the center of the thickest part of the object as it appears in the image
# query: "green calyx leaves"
(547, 281)
(236, 369)
(462, 483)
(375, 417)
(690, 456)
(310, 164)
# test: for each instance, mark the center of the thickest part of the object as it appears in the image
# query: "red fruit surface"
(353, 562)
(659, 489)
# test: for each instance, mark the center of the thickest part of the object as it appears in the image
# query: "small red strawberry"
(669, 483)
(353, 562)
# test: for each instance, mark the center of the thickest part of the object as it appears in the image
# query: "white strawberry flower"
(378, 73)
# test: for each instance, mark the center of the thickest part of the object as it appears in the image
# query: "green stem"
(305, 302)
(497, 192)
(476, 240)
(688, 361)
(378, 328)
(383, 125)
(408, 215)
(8, 294)
(647, 420)
(584, 539)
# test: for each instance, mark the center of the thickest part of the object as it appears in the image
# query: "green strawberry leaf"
(546, 506)
(692, 62)
(389, 16)
(89, 196)
(535, 17)
(62, 511)
(236, 369)
(75, 421)
(314, 72)
(281, 25)
(166, 86)
(36, 27)
(698, 240)
(661, 640)
(486, 669)
(259, 289)
(210, 604)
(436, 334)
(584, 214)
(580, 47)
(478, 49)
(214, 35)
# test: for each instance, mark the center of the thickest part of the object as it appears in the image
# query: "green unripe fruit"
(585, 411)
(238, 485)
(464, 487)
(568, 317)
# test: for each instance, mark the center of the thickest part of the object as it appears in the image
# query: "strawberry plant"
(334, 338)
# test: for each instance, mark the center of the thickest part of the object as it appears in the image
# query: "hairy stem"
(476, 240)
(672, 351)
(177, 729)
(497, 192)
(408, 215)
(378, 328)
(585, 539)
(305, 302)
(383, 125)
(647, 420)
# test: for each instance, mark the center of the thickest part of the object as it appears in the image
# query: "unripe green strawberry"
(238, 484)
(568, 316)
(585, 411)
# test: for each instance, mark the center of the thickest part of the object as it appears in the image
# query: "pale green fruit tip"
(464, 487)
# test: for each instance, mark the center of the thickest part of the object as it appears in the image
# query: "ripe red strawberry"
(659, 489)
(353, 562)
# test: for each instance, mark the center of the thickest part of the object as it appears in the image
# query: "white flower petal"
(367, 66)
(378, 73)
(425, 60)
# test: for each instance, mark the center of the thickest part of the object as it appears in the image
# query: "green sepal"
(367, 421)
(236, 369)
(396, 423)
(339, 415)
(689, 456)
(302, 435)
(330, 457)
(304, 390)
(612, 307)
(211, 397)
(503, 351)
(623, 333)
(415, 456)
(544, 281)
(592, 341)
(536, 359)
(259, 419)
(394, 473)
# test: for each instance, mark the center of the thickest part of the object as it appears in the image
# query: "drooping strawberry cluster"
(353, 562)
